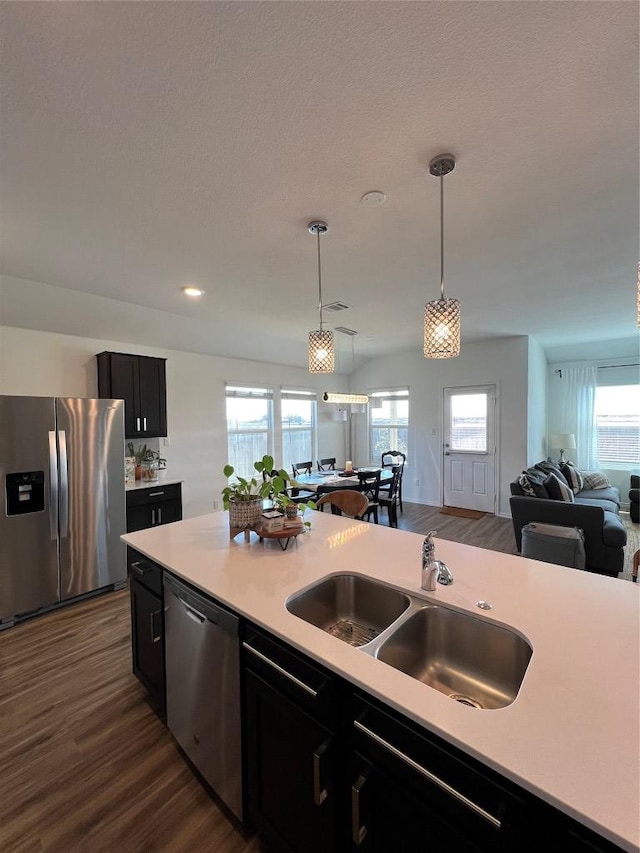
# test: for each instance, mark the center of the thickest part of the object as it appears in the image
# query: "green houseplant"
(244, 496)
(142, 453)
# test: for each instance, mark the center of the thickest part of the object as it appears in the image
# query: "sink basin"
(353, 608)
(473, 661)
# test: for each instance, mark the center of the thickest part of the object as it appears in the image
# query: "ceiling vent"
(345, 331)
(335, 306)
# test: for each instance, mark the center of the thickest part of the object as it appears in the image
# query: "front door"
(469, 448)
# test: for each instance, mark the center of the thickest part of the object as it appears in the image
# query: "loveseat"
(594, 510)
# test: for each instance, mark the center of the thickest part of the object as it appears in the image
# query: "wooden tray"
(283, 536)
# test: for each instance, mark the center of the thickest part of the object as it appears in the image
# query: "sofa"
(535, 497)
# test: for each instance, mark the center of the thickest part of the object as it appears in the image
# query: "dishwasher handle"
(201, 609)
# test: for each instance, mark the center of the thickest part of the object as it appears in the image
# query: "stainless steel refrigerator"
(63, 500)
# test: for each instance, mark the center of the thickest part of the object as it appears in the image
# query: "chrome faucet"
(433, 570)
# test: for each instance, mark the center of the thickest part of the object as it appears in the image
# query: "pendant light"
(442, 316)
(321, 348)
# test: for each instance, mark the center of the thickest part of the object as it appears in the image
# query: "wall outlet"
(216, 505)
(416, 482)
(166, 441)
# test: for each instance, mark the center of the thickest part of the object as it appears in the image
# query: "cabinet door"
(125, 385)
(167, 511)
(147, 641)
(139, 517)
(291, 768)
(386, 815)
(153, 396)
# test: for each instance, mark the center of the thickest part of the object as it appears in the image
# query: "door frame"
(496, 437)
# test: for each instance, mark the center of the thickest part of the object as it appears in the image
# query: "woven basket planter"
(245, 514)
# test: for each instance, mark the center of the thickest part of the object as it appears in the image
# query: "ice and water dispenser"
(24, 492)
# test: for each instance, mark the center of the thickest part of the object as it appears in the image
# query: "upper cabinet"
(141, 382)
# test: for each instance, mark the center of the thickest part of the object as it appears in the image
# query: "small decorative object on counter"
(291, 511)
(149, 469)
(271, 521)
(348, 465)
(129, 470)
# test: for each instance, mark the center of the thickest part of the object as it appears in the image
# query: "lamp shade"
(321, 351)
(442, 328)
(563, 441)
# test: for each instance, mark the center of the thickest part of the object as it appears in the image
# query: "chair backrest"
(370, 484)
(344, 502)
(393, 494)
(328, 464)
(301, 468)
(393, 457)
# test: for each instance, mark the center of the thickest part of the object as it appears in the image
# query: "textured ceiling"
(150, 145)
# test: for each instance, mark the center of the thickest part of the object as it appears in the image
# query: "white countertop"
(572, 736)
(150, 484)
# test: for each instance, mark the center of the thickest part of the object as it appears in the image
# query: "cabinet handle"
(153, 517)
(154, 638)
(358, 832)
(138, 424)
(279, 669)
(474, 807)
(144, 424)
(138, 570)
(320, 794)
(159, 515)
(155, 494)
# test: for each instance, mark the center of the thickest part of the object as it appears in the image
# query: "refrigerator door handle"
(53, 486)
(64, 485)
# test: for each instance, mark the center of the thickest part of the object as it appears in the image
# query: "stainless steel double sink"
(474, 661)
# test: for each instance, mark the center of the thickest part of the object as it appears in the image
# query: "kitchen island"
(571, 737)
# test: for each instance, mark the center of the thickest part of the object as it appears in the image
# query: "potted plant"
(291, 508)
(145, 454)
(243, 497)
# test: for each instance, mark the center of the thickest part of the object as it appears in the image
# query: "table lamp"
(562, 442)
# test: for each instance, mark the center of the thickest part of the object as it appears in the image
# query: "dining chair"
(345, 502)
(391, 499)
(301, 468)
(390, 458)
(328, 464)
(369, 485)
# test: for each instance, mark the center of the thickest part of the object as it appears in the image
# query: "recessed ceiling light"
(190, 290)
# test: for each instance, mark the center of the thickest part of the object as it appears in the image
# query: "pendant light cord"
(319, 279)
(442, 237)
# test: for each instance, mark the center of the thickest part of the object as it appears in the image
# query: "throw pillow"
(594, 480)
(551, 468)
(558, 491)
(531, 483)
(573, 477)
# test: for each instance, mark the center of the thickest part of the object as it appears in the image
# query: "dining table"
(339, 479)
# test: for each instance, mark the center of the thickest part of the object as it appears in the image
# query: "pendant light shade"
(442, 316)
(321, 345)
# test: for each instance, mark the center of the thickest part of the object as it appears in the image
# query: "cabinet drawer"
(294, 675)
(463, 792)
(144, 571)
(154, 494)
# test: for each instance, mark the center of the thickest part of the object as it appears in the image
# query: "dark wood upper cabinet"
(140, 381)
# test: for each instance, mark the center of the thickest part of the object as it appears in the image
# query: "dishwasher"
(202, 651)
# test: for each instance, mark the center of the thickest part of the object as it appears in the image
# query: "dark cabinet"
(403, 780)
(292, 782)
(140, 381)
(151, 507)
(147, 626)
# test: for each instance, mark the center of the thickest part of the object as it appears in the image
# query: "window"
(298, 427)
(249, 427)
(469, 422)
(617, 411)
(388, 422)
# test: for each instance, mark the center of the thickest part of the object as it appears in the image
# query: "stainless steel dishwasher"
(203, 687)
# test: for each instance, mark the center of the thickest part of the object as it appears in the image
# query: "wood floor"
(85, 765)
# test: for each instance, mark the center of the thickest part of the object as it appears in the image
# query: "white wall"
(48, 364)
(502, 362)
(536, 403)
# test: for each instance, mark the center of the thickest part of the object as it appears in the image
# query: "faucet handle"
(428, 543)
